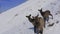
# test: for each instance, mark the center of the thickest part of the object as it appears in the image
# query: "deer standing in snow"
(38, 23)
(45, 15)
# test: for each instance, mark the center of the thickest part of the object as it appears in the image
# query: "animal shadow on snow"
(32, 28)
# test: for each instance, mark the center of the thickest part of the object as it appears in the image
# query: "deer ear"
(30, 15)
(40, 9)
(26, 16)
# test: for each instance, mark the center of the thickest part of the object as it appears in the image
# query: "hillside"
(13, 21)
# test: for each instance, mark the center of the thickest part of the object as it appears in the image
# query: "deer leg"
(34, 29)
(44, 22)
(41, 32)
(47, 19)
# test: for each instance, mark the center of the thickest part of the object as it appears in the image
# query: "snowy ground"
(13, 21)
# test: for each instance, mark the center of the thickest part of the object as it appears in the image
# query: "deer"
(45, 14)
(38, 23)
(30, 19)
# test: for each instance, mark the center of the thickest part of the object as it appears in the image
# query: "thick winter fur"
(45, 14)
(38, 23)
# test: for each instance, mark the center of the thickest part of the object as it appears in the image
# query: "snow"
(13, 21)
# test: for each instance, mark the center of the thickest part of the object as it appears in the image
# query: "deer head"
(28, 16)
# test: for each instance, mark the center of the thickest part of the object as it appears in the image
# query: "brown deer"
(30, 19)
(45, 15)
(38, 23)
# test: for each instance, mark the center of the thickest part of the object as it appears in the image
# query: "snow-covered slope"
(13, 21)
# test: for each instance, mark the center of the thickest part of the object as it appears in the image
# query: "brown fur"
(30, 19)
(38, 22)
(45, 14)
